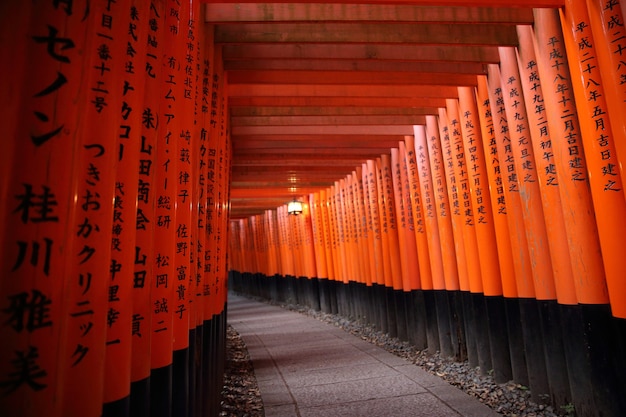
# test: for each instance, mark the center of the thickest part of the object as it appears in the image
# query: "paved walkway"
(307, 368)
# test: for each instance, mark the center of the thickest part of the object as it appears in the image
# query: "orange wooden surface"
(479, 189)
(546, 169)
(413, 262)
(496, 194)
(526, 175)
(372, 181)
(599, 141)
(571, 167)
(40, 115)
(513, 207)
(606, 24)
(118, 355)
(400, 214)
(461, 188)
(416, 202)
(89, 299)
(450, 259)
(389, 226)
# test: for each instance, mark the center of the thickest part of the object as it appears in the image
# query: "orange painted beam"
(365, 152)
(346, 90)
(473, 3)
(311, 160)
(326, 130)
(327, 111)
(348, 77)
(428, 33)
(330, 120)
(362, 51)
(336, 101)
(316, 12)
(320, 143)
(339, 64)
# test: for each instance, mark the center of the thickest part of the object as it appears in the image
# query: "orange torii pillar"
(476, 331)
(430, 158)
(477, 167)
(371, 179)
(391, 252)
(415, 311)
(532, 337)
(501, 224)
(430, 324)
(145, 217)
(38, 207)
(457, 220)
(591, 38)
(552, 207)
(540, 245)
(119, 365)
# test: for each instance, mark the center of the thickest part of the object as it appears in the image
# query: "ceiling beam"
(328, 111)
(379, 33)
(345, 90)
(349, 77)
(325, 120)
(363, 51)
(337, 101)
(440, 67)
(439, 3)
(326, 129)
(312, 160)
(317, 12)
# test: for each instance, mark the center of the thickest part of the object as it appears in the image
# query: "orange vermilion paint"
(390, 228)
(496, 191)
(416, 205)
(400, 212)
(599, 141)
(461, 187)
(479, 191)
(526, 173)
(508, 188)
(451, 260)
(411, 239)
(546, 169)
(571, 166)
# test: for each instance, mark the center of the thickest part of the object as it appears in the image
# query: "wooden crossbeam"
(402, 33)
(349, 77)
(318, 12)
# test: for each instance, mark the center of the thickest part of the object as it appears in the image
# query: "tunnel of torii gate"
(460, 166)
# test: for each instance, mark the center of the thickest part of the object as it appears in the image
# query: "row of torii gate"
(492, 231)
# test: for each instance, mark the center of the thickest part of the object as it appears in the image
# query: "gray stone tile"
(359, 390)
(336, 375)
(418, 405)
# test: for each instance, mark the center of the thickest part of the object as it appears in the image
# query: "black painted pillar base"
(180, 383)
(392, 324)
(119, 408)
(498, 338)
(444, 324)
(161, 392)
(457, 325)
(556, 367)
(432, 326)
(400, 314)
(534, 347)
(516, 341)
(140, 398)
(604, 335)
(418, 327)
(483, 347)
(324, 295)
(469, 321)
